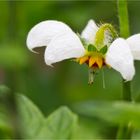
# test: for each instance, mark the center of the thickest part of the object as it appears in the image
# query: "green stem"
(123, 18)
(124, 132)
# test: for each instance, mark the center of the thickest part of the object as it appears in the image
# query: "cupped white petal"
(120, 58)
(134, 44)
(89, 31)
(62, 47)
(42, 33)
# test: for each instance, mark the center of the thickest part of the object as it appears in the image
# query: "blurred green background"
(67, 82)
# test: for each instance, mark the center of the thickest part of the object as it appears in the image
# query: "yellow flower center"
(92, 60)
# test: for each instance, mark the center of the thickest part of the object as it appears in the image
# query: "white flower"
(62, 43)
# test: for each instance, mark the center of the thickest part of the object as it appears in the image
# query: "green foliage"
(32, 118)
(60, 124)
(114, 112)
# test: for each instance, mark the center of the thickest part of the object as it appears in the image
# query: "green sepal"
(103, 50)
(92, 48)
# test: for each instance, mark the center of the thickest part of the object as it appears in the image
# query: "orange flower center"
(92, 61)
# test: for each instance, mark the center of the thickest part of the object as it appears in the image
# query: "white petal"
(42, 33)
(62, 47)
(89, 31)
(134, 44)
(120, 58)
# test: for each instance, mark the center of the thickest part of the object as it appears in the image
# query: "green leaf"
(114, 112)
(31, 116)
(59, 125)
(92, 48)
(103, 50)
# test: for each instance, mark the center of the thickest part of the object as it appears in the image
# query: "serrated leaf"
(114, 112)
(92, 48)
(103, 50)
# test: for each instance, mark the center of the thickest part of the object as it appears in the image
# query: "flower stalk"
(124, 132)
